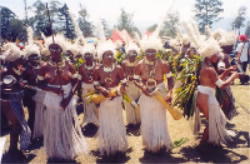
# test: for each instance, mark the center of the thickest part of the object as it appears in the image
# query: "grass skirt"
(63, 138)
(154, 126)
(112, 132)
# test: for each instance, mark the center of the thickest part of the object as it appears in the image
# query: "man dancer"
(86, 72)
(112, 132)
(149, 75)
(133, 93)
(11, 98)
(215, 132)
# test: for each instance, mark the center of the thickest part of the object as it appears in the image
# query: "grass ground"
(237, 152)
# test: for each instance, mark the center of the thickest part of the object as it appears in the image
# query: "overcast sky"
(146, 12)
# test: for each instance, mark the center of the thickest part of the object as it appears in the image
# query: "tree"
(248, 29)
(40, 20)
(106, 28)
(69, 30)
(85, 25)
(126, 22)
(240, 19)
(168, 28)
(6, 15)
(207, 12)
(17, 30)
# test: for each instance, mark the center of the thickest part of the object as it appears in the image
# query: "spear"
(53, 40)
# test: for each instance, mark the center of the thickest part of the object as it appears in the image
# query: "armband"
(123, 81)
(137, 77)
(219, 83)
(221, 64)
(96, 83)
(77, 76)
(40, 77)
(168, 75)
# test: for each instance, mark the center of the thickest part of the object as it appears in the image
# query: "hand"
(21, 84)
(145, 91)
(233, 68)
(64, 103)
(169, 98)
(235, 75)
(105, 92)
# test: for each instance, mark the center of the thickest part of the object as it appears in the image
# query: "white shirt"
(243, 51)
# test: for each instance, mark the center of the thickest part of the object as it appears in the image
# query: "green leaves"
(189, 77)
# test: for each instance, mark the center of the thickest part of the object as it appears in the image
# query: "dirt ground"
(236, 152)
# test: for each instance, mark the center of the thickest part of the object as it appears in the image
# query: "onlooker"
(243, 52)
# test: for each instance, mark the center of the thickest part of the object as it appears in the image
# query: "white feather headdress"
(132, 46)
(88, 48)
(59, 39)
(31, 48)
(206, 47)
(105, 46)
(210, 48)
(152, 42)
(12, 52)
(228, 39)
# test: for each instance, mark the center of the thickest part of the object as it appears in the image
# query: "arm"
(220, 83)
(42, 82)
(168, 75)
(137, 80)
(75, 84)
(123, 81)
(97, 85)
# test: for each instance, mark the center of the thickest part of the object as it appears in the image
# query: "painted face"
(132, 55)
(214, 58)
(34, 59)
(55, 52)
(108, 57)
(150, 54)
(88, 56)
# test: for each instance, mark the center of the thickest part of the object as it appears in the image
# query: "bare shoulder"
(44, 66)
(210, 70)
(118, 67)
(69, 64)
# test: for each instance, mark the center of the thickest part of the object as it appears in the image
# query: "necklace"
(60, 64)
(89, 67)
(109, 70)
(131, 64)
(151, 72)
(147, 62)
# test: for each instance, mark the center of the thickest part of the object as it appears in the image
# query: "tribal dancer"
(112, 132)
(149, 75)
(215, 132)
(62, 136)
(226, 42)
(131, 108)
(33, 96)
(11, 98)
(86, 72)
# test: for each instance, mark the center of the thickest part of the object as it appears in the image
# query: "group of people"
(52, 87)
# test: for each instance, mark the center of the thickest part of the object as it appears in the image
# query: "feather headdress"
(31, 48)
(132, 46)
(12, 52)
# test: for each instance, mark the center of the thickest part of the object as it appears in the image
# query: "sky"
(146, 12)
